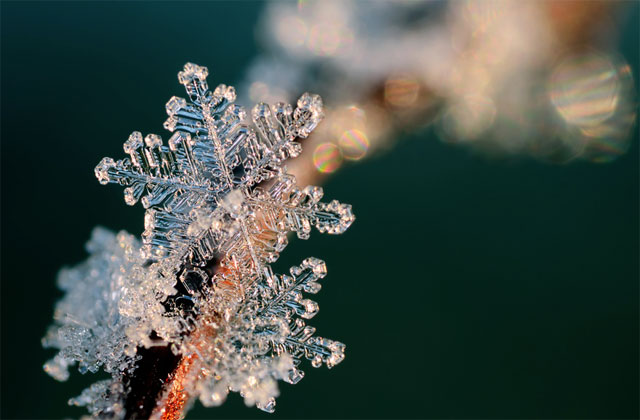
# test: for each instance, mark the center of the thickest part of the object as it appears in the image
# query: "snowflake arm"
(198, 287)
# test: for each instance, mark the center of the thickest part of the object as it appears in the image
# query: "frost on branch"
(219, 206)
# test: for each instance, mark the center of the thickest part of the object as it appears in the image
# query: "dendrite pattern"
(219, 207)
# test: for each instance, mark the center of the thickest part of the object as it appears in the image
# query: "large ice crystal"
(197, 296)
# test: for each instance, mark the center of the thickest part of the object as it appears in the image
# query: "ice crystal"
(219, 206)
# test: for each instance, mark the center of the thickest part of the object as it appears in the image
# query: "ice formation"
(194, 308)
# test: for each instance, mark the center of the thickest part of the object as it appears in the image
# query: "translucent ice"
(219, 206)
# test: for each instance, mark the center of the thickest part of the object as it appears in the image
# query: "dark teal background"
(467, 287)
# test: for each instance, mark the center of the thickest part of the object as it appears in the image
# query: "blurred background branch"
(503, 78)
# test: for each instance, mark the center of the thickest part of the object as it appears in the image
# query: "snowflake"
(219, 206)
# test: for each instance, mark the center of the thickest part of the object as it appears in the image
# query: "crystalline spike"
(294, 376)
(262, 120)
(179, 139)
(132, 194)
(283, 113)
(153, 152)
(194, 79)
(133, 143)
(226, 92)
(269, 407)
(170, 124)
(192, 71)
(219, 206)
(194, 280)
(103, 168)
(308, 114)
(174, 105)
(237, 112)
(310, 308)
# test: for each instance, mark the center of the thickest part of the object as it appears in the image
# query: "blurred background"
(489, 150)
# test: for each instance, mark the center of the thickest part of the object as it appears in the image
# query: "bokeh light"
(324, 39)
(346, 118)
(327, 157)
(354, 144)
(594, 96)
(292, 31)
(584, 89)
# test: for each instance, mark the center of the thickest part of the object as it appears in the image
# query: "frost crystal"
(219, 205)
